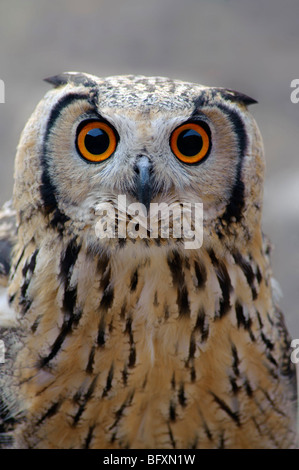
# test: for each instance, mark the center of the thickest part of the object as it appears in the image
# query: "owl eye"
(96, 140)
(190, 142)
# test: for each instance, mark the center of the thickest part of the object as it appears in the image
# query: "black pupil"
(96, 141)
(189, 143)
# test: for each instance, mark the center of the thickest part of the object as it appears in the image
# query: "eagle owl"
(138, 341)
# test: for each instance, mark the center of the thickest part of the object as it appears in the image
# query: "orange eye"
(96, 140)
(191, 142)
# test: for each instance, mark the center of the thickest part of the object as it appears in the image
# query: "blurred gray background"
(251, 46)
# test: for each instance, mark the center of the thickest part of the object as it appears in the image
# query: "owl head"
(151, 139)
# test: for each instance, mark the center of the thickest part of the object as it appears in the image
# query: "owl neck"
(66, 288)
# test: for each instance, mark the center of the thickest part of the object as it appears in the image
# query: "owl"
(118, 337)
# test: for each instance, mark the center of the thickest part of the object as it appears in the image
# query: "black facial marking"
(48, 189)
(236, 203)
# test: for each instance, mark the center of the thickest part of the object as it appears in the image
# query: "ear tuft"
(76, 78)
(236, 96)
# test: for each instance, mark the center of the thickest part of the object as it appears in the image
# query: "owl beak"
(143, 169)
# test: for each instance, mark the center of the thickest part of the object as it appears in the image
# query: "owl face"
(153, 140)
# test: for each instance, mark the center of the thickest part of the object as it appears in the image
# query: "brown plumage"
(139, 342)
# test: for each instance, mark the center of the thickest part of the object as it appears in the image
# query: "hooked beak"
(143, 169)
